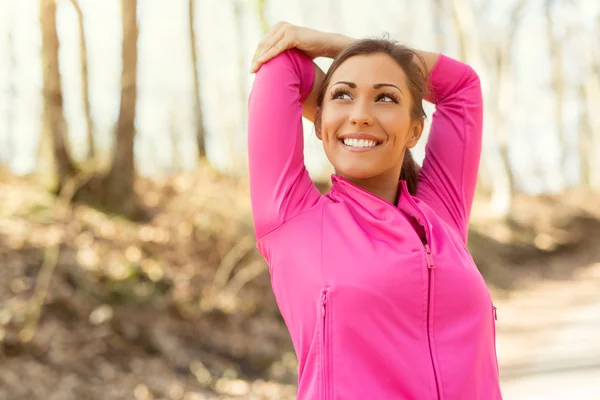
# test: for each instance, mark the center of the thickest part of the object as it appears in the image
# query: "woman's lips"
(359, 145)
(359, 142)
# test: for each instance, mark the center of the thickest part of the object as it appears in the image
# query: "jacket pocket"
(325, 364)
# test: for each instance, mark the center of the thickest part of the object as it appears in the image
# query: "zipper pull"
(323, 302)
(430, 263)
(495, 314)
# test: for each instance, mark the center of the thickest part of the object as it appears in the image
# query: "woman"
(374, 280)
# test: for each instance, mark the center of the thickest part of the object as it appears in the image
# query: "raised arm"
(280, 186)
(449, 174)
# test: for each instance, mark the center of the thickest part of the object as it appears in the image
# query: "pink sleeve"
(449, 174)
(280, 187)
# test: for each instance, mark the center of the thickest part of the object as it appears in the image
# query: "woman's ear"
(318, 123)
(416, 131)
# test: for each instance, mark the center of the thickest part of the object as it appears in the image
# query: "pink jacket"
(381, 302)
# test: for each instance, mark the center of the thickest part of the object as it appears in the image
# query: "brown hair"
(407, 59)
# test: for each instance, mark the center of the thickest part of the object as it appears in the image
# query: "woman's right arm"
(313, 43)
(280, 186)
(285, 89)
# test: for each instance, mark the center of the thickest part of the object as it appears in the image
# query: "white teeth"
(359, 143)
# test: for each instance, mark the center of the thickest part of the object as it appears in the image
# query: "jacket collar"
(375, 204)
(379, 208)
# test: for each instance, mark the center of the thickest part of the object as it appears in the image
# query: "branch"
(244, 276)
(230, 261)
(51, 257)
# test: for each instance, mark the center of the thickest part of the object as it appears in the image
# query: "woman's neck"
(382, 186)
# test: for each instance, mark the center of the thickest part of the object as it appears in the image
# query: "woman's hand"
(284, 36)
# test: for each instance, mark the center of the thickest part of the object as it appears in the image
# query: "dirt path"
(548, 339)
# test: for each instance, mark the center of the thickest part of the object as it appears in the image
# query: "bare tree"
(55, 165)
(175, 142)
(498, 164)
(464, 22)
(501, 98)
(438, 20)
(10, 115)
(198, 117)
(585, 128)
(555, 45)
(261, 6)
(242, 73)
(588, 89)
(83, 60)
(119, 194)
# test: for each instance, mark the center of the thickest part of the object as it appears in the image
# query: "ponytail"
(409, 172)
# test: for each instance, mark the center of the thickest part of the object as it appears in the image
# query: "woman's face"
(366, 121)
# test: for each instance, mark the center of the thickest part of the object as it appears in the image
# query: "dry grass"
(180, 306)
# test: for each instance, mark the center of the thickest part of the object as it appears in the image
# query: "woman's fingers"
(265, 41)
(282, 45)
(269, 43)
(276, 38)
(266, 38)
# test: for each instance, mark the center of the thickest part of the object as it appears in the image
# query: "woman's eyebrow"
(351, 84)
(379, 85)
(375, 86)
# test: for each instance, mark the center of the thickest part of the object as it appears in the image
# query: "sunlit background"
(107, 292)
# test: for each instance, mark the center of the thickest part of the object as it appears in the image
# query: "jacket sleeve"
(280, 186)
(449, 174)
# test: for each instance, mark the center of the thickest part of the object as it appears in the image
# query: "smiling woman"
(384, 101)
(373, 279)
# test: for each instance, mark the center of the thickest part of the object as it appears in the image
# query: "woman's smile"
(359, 142)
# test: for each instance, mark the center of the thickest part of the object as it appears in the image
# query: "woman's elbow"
(471, 77)
(472, 84)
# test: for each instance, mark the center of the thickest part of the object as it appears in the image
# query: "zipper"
(495, 316)
(325, 376)
(430, 264)
(430, 272)
(430, 269)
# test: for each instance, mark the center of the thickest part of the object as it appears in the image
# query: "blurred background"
(128, 267)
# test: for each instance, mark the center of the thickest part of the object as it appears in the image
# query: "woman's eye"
(341, 96)
(386, 99)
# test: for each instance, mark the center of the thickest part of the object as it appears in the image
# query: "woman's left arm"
(449, 174)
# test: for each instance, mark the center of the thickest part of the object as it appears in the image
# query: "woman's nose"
(361, 116)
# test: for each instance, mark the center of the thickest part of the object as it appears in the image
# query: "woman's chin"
(356, 172)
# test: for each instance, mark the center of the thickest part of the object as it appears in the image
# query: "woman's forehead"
(369, 70)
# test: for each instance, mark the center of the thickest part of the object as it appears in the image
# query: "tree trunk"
(236, 156)
(261, 5)
(438, 20)
(556, 63)
(198, 117)
(503, 184)
(176, 166)
(501, 100)
(589, 134)
(585, 137)
(464, 23)
(496, 145)
(10, 114)
(54, 163)
(83, 59)
(119, 192)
